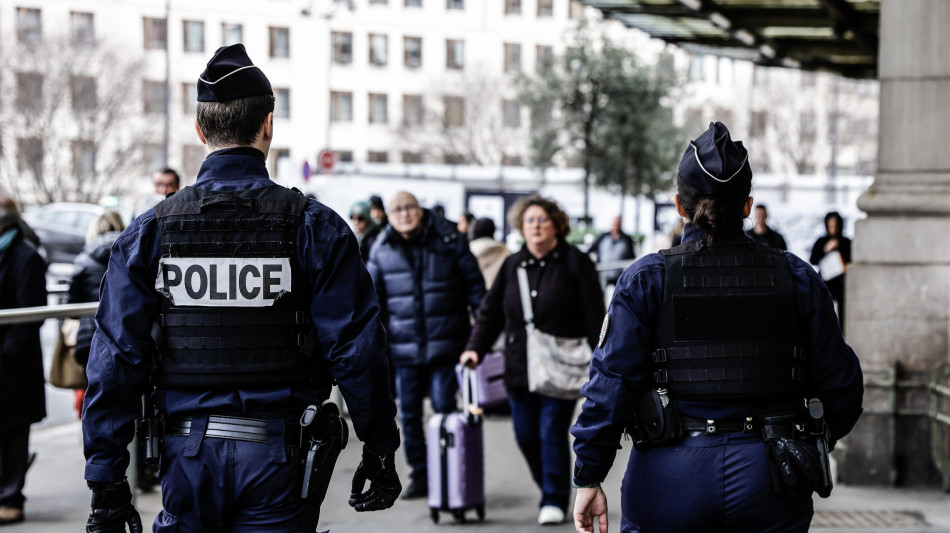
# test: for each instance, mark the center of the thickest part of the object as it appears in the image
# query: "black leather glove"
(795, 468)
(112, 510)
(384, 485)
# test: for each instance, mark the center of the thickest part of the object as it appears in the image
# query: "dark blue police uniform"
(250, 485)
(719, 479)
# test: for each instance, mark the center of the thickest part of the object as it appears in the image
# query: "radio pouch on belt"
(657, 420)
(324, 434)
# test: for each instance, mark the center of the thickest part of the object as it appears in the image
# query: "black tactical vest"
(728, 327)
(233, 313)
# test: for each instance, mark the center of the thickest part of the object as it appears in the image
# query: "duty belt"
(231, 427)
(701, 426)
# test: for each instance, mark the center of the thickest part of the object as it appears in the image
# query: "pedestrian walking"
(429, 286)
(707, 355)
(831, 253)
(364, 226)
(489, 252)
(762, 233)
(567, 301)
(261, 301)
(22, 396)
(613, 245)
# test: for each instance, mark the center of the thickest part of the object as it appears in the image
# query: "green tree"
(598, 106)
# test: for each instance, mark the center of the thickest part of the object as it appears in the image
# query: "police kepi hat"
(231, 75)
(714, 164)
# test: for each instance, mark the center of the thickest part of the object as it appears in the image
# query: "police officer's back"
(706, 357)
(261, 301)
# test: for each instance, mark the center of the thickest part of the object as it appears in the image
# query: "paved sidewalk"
(58, 500)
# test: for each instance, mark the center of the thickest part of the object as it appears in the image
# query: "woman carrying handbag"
(567, 305)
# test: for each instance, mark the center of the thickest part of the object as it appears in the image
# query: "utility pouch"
(658, 421)
(324, 434)
(795, 465)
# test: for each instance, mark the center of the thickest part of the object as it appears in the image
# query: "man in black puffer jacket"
(429, 286)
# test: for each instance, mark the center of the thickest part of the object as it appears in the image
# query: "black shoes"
(418, 488)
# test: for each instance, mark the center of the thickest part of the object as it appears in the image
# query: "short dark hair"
(762, 207)
(482, 227)
(170, 171)
(234, 122)
(558, 217)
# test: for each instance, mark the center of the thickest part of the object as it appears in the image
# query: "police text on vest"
(223, 281)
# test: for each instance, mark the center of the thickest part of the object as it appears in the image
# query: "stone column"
(898, 287)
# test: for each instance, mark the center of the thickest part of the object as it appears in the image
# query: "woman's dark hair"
(482, 227)
(559, 218)
(716, 216)
(831, 215)
(234, 122)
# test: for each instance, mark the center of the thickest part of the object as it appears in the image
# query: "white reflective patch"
(603, 330)
(223, 281)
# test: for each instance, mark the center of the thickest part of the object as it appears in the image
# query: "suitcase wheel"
(459, 515)
(480, 511)
(434, 514)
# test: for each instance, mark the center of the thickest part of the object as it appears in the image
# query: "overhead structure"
(839, 36)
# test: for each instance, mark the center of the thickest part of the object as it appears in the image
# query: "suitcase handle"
(470, 396)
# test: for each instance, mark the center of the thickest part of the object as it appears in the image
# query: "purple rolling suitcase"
(489, 379)
(456, 467)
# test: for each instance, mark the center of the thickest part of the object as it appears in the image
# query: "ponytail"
(716, 216)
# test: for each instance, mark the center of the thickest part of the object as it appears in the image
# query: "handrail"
(36, 314)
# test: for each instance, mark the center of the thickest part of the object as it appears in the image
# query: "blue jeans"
(541, 425)
(413, 384)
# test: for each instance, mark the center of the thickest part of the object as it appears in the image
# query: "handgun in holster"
(323, 435)
(150, 431)
(818, 430)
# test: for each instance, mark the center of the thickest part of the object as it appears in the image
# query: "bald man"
(429, 287)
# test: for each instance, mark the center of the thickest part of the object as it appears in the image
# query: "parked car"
(61, 227)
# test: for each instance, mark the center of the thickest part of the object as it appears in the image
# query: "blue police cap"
(231, 75)
(714, 164)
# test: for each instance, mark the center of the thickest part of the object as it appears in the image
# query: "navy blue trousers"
(230, 486)
(413, 384)
(707, 484)
(542, 425)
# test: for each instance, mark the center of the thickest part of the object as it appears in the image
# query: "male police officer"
(262, 300)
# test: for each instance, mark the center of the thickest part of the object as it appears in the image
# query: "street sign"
(306, 171)
(326, 160)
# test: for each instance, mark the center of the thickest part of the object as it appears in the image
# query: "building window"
(544, 57)
(512, 57)
(84, 158)
(378, 109)
(453, 159)
(758, 123)
(194, 35)
(153, 96)
(377, 157)
(511, 113)
(379, 2)
(192, 156)
(454, 111)
(282, 103)
(545, 8)
(378, 50)
(512, 7)
(344, 156)
(697, 70)
(342, 47)
(189, 98)
(808, 126)
(413, 51)
(29, 90)
(279, 42)
(454, 54)
(231, 33)
(154, 155)
(412, 111)
(82, 92)
(280, 158)
(155, 33)
(413, 3)
(454, 4)
(29, 26)
(760, 75)
(576, 9)
(508, 160)
(411, 158)
(341, 107)
(82, 29)
(30, 155)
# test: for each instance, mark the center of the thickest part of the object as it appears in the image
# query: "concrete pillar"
(898, 287)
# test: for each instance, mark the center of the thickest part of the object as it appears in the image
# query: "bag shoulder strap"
(525, 296)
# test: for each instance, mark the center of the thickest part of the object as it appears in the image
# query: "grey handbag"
(557, 366)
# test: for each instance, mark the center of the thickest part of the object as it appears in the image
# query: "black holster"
(150, 431)
(795, 464)
(657, 421)
(323, 434)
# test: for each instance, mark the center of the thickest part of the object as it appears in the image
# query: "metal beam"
(843, 13)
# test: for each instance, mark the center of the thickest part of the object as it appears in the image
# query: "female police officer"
(715, 345)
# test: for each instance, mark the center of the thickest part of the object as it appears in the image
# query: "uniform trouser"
(230, 486)
(541, 427)
(707, 484)
(413, 384)
(14, 459)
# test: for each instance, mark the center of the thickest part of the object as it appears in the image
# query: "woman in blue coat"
(707, 355)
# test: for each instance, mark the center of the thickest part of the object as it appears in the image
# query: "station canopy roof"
(839, 36)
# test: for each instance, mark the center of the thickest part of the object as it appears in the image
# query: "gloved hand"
(112, 510)
(795, 467)
(384, 485)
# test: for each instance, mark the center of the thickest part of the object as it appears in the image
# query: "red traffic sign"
(326, 160)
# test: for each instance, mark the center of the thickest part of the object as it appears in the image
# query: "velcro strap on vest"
(230, 225)
(243, 319)
(699, 375)
(718, 261)
(194, 207)
(729, 351)
(238, 249)
(728, 282)
(234, 343)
